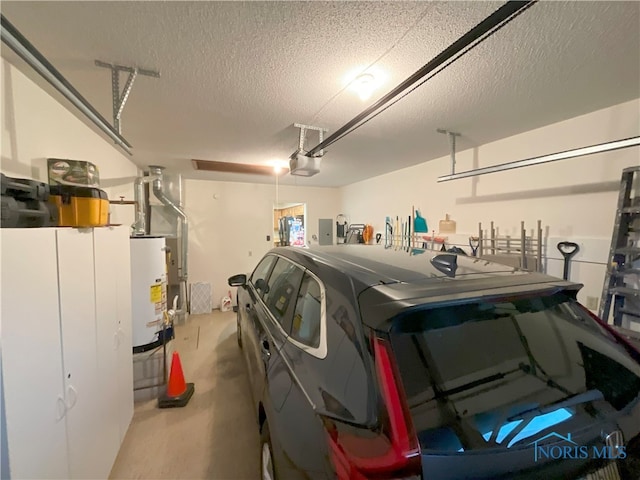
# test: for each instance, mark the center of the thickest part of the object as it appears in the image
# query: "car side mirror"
(239, 280)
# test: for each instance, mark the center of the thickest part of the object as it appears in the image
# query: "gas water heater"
(149, 291)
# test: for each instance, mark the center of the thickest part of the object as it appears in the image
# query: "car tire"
(267, 468)
(238, 331)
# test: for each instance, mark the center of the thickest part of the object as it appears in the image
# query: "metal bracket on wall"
(552, 157)
(303, 133)
(119, 99)
(452, 141)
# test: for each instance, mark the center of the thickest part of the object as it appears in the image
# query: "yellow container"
(80, 206)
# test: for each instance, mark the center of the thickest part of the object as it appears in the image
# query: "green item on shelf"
(420, 224)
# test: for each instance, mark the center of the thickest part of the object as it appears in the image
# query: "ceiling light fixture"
(364, 85)
(278, 166)
(364, 81)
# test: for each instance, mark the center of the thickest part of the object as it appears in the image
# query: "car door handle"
(248, 307)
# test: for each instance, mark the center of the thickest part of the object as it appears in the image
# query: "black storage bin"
(24, 188)
(25, 204)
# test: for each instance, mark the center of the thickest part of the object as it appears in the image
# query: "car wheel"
(267, 469)
(238, 331)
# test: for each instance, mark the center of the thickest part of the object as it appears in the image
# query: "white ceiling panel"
(236, 76)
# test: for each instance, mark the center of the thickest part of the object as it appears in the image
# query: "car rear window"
(489, 374)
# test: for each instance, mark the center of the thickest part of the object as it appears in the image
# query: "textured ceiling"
(236, 76)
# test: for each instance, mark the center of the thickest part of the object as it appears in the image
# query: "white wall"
(35, 126)
(575, 199)
(4, 444)
(227, 234)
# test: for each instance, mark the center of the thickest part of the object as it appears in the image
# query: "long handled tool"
(474, 243)
(388, 233)
(568, 250)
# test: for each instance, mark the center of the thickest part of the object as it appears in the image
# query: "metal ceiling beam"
(578, 152)
(25, 50)
(465, 43)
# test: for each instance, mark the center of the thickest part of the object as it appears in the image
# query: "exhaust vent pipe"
(140, 225)
(158, 190)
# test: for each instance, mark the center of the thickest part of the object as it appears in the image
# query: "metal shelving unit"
(523, 252)
(621, 287)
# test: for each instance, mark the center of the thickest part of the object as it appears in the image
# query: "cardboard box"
(72, 172)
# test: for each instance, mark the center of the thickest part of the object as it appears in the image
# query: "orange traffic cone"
(178, 391)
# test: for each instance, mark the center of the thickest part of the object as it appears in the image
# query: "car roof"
(399, 279)
(375, 265)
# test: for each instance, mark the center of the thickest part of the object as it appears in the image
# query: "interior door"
(31, 354)
(79, 352)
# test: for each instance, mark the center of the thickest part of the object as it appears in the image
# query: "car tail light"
(391, 453)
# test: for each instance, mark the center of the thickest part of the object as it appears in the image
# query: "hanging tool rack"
(397, 232)
(523, 252)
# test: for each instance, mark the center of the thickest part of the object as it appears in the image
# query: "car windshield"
(498, 374)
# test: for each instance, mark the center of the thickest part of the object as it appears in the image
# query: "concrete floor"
(215, 436)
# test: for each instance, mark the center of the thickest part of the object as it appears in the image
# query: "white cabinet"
(124, 360)
(79, 356)
(113, 319)
(66, 349)
(32, 355)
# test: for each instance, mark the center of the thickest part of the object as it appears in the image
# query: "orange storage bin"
(80, 206)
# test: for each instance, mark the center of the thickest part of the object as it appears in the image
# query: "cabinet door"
(125, 347)
(79, 352)
(106, 253)
(31, 354)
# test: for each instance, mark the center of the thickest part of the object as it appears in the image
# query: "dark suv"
(368, 363)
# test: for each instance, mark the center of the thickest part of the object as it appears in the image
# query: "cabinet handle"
(72, 395)
(121, 337)
(62, 408)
